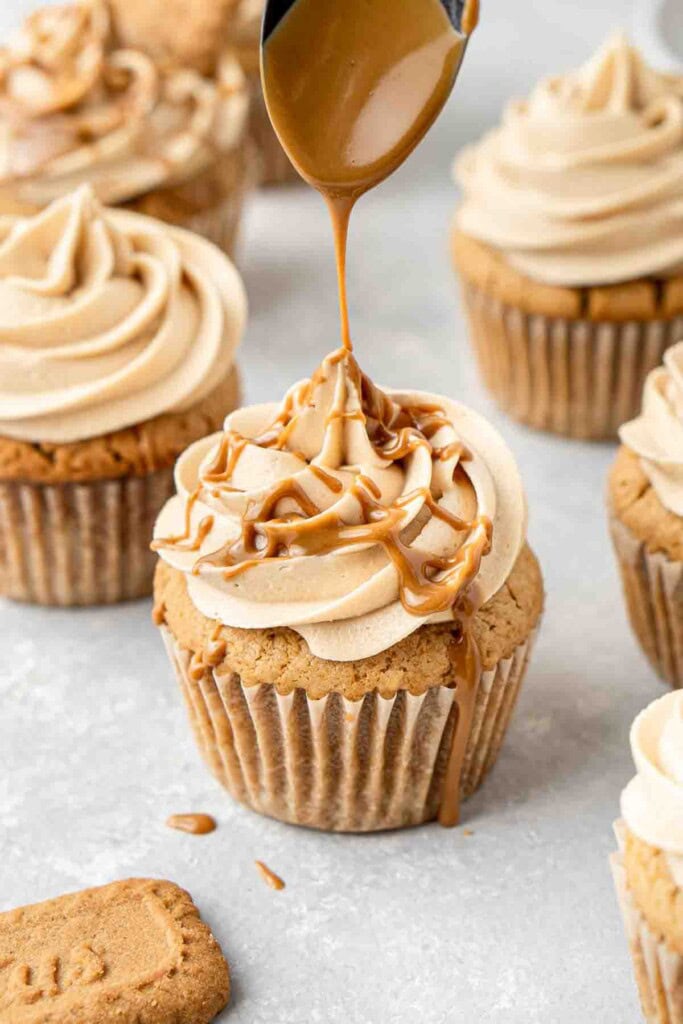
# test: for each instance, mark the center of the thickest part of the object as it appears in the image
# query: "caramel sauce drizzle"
(427, 584)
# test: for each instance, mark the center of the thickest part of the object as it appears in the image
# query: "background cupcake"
(568, 243)
(208, 30)
(160, 140)
(648, 870)
(117, 341)
(349, 602)
(646, 513)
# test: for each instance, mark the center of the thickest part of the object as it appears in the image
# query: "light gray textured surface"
(515, 923)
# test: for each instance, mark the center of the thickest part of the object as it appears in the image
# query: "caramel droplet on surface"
(268, 876)
(194, 824)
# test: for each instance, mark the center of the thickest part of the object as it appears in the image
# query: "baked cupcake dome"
(210, 29)
(90, 426)
(567, 243)
(349, 653)
(648, 870)
(78, 108)
(645, 501)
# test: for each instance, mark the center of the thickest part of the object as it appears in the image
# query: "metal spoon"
(462, 13)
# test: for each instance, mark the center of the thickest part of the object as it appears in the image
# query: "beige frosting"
(107, 319)
(73, 111)
(652, 803)
(325, 439)
(582, 184)
(657, 434)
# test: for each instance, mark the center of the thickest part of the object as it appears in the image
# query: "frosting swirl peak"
(582, 184)
(348, 513)
(108, 319)
(657, 434)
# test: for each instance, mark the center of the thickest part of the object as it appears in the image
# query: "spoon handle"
(276, 10)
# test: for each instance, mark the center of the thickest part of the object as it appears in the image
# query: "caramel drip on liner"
(467, 672)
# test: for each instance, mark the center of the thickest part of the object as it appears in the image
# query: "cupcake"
(76, 108)
(210, 29)
(568, 247)
(648, 869)
(645, 502)
(348, 599)
(117, 343)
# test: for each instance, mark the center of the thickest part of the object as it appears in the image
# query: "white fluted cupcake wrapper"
(80, 544)
(653, 588)
(579, 378)
(658, 970)
(335, 764)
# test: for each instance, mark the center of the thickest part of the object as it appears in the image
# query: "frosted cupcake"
(348, 599)
(646, 512)
(568, 243)
(208, 30)
(117, 343)
(75, 109)
(648, 870)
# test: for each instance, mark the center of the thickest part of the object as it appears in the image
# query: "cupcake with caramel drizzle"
(354, 549)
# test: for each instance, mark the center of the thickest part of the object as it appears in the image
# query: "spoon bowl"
(463, 15)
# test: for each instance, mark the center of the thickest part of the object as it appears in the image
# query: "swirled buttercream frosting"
(73, 109)
(656, 436)
(107, 319)
(582, 184)
(652, 803)
(348, 513)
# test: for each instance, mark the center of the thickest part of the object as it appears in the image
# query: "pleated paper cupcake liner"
(658, 969)
(578, 378)
(80, 544)
(653, 588)
(341, 765)
(274, 166)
